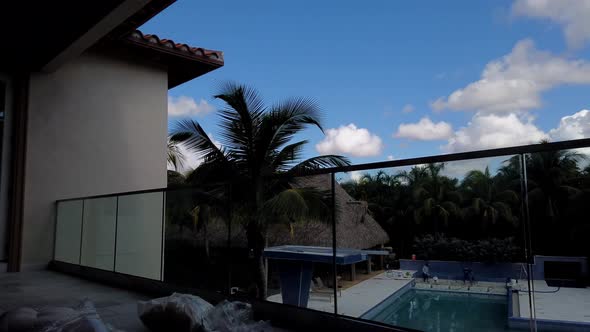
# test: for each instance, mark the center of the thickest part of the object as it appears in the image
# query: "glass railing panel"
(98, 233)
(196, 233)
(558, 185)
(431, 247)
(139, 235)
(68, 231)
(299, 246)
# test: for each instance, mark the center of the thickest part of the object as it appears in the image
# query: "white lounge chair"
(320, 290)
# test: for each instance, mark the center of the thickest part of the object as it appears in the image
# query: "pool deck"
(358, 299)
(568, 304)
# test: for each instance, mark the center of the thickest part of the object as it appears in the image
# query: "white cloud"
(424, 130)
(350, 140)
(571, 14)
(356, 176)
(515, 82)
(187, 106)
(458, 169)
(390, 157)
(408, 108)
(574, 126)
(488, 131)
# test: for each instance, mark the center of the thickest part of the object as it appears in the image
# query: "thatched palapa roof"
(355, 228)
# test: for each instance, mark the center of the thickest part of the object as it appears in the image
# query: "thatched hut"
(355, 228)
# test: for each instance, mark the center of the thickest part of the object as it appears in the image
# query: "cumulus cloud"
(515, 82)
(424, 130)
(572, 15)
(356, 176)
(574, 126)
(488, 131)
(350, 140)
(408, 108)
(187, 106)
(458, 169)
(390, 157)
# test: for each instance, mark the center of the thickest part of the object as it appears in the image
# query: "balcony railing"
(475, 220)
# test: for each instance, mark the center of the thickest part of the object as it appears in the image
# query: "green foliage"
(256, 144)
(255, 148)
(492, 250)
(483, 205)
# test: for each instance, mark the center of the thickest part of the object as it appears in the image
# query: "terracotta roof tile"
(197, 52)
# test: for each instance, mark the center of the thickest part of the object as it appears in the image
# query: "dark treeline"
(480, 217)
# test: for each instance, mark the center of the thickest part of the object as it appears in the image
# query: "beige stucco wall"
(97, 125)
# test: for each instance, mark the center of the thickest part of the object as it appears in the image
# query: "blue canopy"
(320, 254)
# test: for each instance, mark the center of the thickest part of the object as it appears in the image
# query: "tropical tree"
(414, 178)
(260, 162)
(548, 173)
(488, 202)
(435, 196)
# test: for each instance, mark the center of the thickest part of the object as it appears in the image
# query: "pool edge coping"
(560, 325)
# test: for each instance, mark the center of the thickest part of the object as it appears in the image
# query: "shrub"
(488, 250)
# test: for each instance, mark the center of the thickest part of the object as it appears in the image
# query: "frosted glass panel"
(67, 233)
(98, 233)
(139, 235)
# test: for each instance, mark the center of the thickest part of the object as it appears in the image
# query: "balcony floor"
(115, 306)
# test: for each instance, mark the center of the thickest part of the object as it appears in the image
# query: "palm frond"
(284, 120)
(287, 156)
(196, 140)
(503, 210)
(175, 157)
(419, 193)
(454, 196)
(320, 162)
(428, 206)
(477, 205)
(240, 120)
(451, 208)
(297, 204)
(508, 196)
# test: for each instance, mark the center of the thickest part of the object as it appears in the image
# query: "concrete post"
(352, 272)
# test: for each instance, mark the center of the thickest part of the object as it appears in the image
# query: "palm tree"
(489, 202)
(548, 173)
(260, 162)
(435, 197)
(415, 177)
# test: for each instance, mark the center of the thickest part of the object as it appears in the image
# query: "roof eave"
(181, 67)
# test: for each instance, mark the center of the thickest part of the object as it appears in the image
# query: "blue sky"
(504, 72)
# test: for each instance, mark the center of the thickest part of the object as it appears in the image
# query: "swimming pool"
(427, 310)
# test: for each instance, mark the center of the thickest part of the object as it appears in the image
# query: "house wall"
(97, 125)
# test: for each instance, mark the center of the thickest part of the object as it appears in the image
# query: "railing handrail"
(488, 153)
(458, 156)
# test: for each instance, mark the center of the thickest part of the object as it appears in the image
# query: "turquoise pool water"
(443, 311)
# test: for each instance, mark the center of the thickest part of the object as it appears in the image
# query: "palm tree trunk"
(206, 235)
(256, 239)
(435, 224)
(203, 217)
(256, 244)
